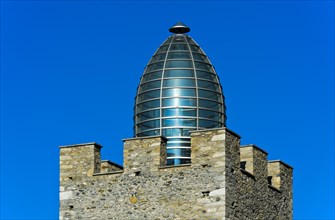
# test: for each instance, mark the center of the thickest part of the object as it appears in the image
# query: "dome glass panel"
(179, 73)
(178, 92)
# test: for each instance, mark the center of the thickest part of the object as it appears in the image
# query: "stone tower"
(183, 163)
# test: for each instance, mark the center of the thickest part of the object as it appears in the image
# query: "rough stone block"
(218, 192)
(66, 195)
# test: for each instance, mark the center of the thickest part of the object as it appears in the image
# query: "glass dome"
(179, 91)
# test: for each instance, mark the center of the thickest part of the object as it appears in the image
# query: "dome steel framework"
(179, 91)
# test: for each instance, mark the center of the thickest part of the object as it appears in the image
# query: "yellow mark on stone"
(90, 172)
(133, 199)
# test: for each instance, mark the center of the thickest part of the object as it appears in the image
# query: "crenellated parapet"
(223, 181)
(269, 183)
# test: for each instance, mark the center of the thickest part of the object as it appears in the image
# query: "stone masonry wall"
(212, 187)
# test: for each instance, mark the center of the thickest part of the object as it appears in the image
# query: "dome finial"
(179, 28)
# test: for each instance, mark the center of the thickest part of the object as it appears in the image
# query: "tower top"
(179, 92)
(179, 28)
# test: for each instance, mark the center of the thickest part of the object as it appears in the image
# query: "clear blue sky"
(69, 72)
